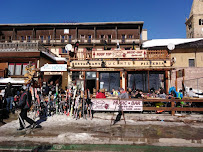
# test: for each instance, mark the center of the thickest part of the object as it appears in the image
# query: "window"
(9, 39)
(138, 80)
(11, 67)
(89, 38)
(28, 38)
(22, 38)
(69, 39)
(42, 38)
(64, 50)
(48, 39)
(102, 36)
(91, 75)
(200, 21)
(191, 62)
(75, 75)
(109, 36)
(130, 36)
(17, 68)
(123, 38)
(62, 38)
(109, 80)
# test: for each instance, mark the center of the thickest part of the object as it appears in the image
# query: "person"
(190, 93)
(9, 95)
(162, 94)
(101, 94)
(25, 104)
(130, 92)
(124, 94)
(114, 92)
(139, 94)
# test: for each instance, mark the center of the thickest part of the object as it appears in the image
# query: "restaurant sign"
(119, 54)
(120, 64)
(116, 105)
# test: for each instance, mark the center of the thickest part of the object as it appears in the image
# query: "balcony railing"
(23, 47)
(71, 41)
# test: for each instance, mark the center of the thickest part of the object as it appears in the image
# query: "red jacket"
(100, 95)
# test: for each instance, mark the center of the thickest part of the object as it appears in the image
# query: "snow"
(165, 42)
(13, 80)
(54, 58)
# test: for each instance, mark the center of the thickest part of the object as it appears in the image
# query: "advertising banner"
(99, 104)
(119, 54)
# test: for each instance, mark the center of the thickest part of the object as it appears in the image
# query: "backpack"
(28, 101)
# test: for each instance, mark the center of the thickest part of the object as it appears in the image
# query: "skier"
(25, 104)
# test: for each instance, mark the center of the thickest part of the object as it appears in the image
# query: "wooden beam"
(166, 81)
(176, 81)
(121, 79)
(97, 81)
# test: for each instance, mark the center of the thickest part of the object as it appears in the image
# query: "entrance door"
(90, 84)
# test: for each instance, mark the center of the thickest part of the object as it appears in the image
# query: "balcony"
(23, 47)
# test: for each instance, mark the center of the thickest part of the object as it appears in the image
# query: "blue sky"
(162, 18)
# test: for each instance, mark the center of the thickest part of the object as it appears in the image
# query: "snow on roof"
(165, 42)
(13, 80)
(54, 58)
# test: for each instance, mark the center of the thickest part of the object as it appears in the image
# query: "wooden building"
(14, 57)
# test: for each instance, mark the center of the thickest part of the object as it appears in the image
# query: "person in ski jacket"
(9, 95)
(25, 104)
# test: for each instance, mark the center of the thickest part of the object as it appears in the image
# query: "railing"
(173, 105)
(24, 47)
(73, 40)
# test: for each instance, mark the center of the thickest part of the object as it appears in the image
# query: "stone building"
(194, 25)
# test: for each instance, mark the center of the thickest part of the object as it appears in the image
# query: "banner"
(99, 104)
(119, 54)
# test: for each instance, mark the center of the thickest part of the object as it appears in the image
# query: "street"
(60, 131)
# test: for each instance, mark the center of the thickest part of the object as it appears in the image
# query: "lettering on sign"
(120, 64)
(116, 105)
(119, 54)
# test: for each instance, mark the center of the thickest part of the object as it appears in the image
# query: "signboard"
(52, 73)
(119, 54)
(119, 64)
(54, 67)
(116, 105)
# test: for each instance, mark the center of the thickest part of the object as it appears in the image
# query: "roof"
(165, 42)
(53, 57)
(87, 23)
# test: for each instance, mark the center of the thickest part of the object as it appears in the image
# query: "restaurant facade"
(119, 68)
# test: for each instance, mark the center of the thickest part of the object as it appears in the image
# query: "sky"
(162, 18)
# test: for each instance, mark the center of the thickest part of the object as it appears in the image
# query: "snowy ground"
(61, 129)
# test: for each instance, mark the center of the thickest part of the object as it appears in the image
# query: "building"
(89, 35)
(14, 57)
(194, 25)
(188, 55)
(91, 38)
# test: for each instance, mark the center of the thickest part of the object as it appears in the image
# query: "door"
(90, 84)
